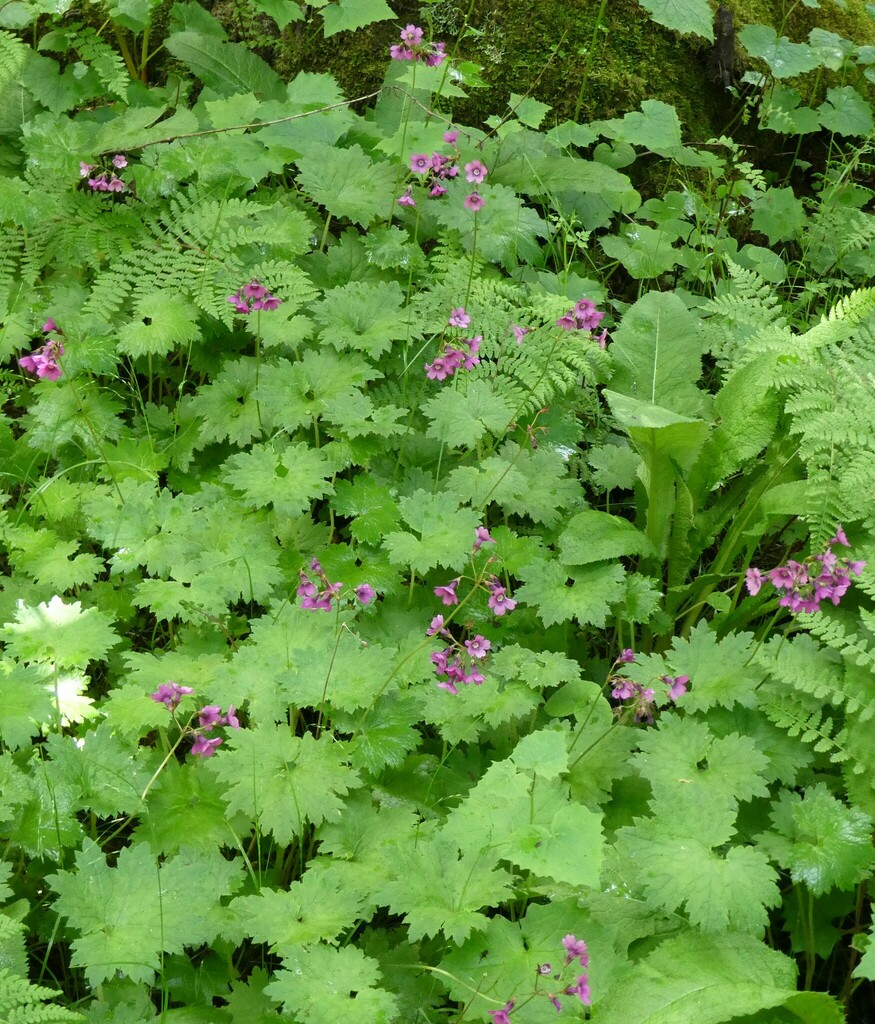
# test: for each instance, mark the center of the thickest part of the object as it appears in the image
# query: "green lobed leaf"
(785, 59)
(684, 16)
(348, 15)
(64, 634)
(445, 533)
(346, 181)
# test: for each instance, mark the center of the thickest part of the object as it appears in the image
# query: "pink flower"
(474, 202)
(397, 52)
(411, 35)
(254, 290)
(519, 332)
(437, 626)
(209, 716)
(447, 594)
(50, 326)
(475, 171)
(437, 190)
(437, 370)
(231, 718)
(602, 339)
(115, 184)
(420, 163)
(580, 988)
(459, 318)
(840, 537)
(406, 200)
(85, 169)
(677, 686)
(119, 161)
(437, 56)
(451, 136)
(498, 601)
(170, 694)
(502, 1016)
(753, 579)
(478, 647)
(365, 593)
(624, 688)
(204, 747)
(627, 656)
(481, 537)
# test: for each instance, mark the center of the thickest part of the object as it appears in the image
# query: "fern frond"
(23, 1003)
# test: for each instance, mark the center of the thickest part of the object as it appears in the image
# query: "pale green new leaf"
(682, 755)
(164, 322)
(438, 890)
(721, 671)
(645, 252)
(318, 907)
(125, 916)
(689, 17)
(63, 634)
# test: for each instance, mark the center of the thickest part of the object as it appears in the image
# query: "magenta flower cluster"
(435, 169)
(209, 717)
(43, 361)
(412, 47)
(451, 358)
(106, 180)
(575, 949)
(253, 296)
(457, 663)
(803, 585)
(318, 596)
(584, 316)
(625, 689)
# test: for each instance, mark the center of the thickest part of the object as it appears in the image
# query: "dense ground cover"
(435, 575)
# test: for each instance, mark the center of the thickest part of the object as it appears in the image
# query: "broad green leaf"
(528, 110)
(832, 48)
(655, 127)
(163, 322)
(372, 507)
(658, 352)
(289, 480)
(445, 533)
(785, 59)
(588, 598)
(348, 15)
(593, 536)
(26, 701)
(125, 916)
(63, 634)
(282, 781)
(346, 181)
(366, 317)
(721, 672)
(709, 979)
(678, 866)
(226, 67)
(779, 215)
(845, 112)
(681, 754)
(461, 415)
(689, 17)
(317, 907)
(782, 112)
(645, 252)
(283, 12)
(438, 890)
(321, 983)
(822, 842)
